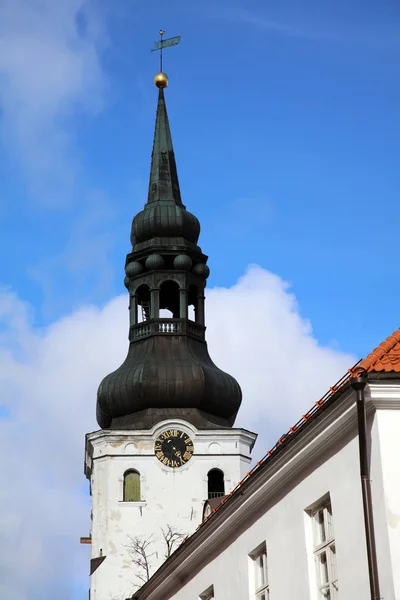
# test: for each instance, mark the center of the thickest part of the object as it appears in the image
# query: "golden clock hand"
(177, 452)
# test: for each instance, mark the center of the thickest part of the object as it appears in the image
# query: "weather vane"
(165, 44)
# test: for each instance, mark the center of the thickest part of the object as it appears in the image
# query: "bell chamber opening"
(169, 298)
(216, 483)
(142, 304)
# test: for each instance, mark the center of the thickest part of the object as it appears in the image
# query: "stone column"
(183, 304)
(200, 316)
(155, 303)
(133, 310)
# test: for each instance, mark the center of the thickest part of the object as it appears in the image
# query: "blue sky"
(285, 123)
(286, 130)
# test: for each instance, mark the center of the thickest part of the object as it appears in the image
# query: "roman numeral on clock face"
(173, 448)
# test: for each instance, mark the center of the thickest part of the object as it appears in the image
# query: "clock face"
(173, 448)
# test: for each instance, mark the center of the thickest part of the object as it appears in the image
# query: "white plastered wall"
(169, 496)
(388, 424)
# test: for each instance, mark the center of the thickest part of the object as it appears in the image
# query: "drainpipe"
(358, 383)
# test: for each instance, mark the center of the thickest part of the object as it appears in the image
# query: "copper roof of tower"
(168, 371)
(164, 215)
(164, 184)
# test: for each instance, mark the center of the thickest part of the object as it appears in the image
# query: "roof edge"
(229, 501)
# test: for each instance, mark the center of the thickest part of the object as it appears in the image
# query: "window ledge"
(140, 503)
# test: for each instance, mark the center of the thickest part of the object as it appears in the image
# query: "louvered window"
(132, 486)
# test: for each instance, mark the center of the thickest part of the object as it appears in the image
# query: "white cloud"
(49, 69)
(49, 380)
(271, 350)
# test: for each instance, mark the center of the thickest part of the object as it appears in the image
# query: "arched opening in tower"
(143, 300)
(216, 483)
(192, 302)
(169, 299)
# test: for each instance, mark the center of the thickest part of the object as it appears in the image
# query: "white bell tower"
(167, 442)
(142, 508)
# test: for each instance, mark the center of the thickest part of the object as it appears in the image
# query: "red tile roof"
(386, 357)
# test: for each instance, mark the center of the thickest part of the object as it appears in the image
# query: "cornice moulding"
(383, 396)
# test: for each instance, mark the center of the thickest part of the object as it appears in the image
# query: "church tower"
(167, 442)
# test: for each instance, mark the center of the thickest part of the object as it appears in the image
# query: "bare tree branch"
(140, 550)
(172, 539)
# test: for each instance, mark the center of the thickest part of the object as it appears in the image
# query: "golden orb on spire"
(161, 80)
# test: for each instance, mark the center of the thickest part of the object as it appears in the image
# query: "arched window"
(143, 299)
(132, 486)
(169, 298)
(216, 484)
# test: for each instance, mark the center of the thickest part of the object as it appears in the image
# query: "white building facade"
(295, 528)
(131, 534)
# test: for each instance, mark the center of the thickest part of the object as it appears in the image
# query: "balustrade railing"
(195, 329)
(141, 331)
(215, 495)
(167, 327)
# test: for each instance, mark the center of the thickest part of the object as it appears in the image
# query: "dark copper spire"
(164, 184)
(164, 215)
(168, 372)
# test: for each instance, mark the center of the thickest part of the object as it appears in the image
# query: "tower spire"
(164, 183)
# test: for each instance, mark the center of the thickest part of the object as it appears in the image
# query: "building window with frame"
(132, 486)
(325, 551)
(215, 483)
(208, 594)
(260, 573)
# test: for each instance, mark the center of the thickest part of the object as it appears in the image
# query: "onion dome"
(165, 220)
(172, 376)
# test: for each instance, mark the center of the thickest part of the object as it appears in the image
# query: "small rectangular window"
(208, 594)
(260, 573)
(325, 551)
